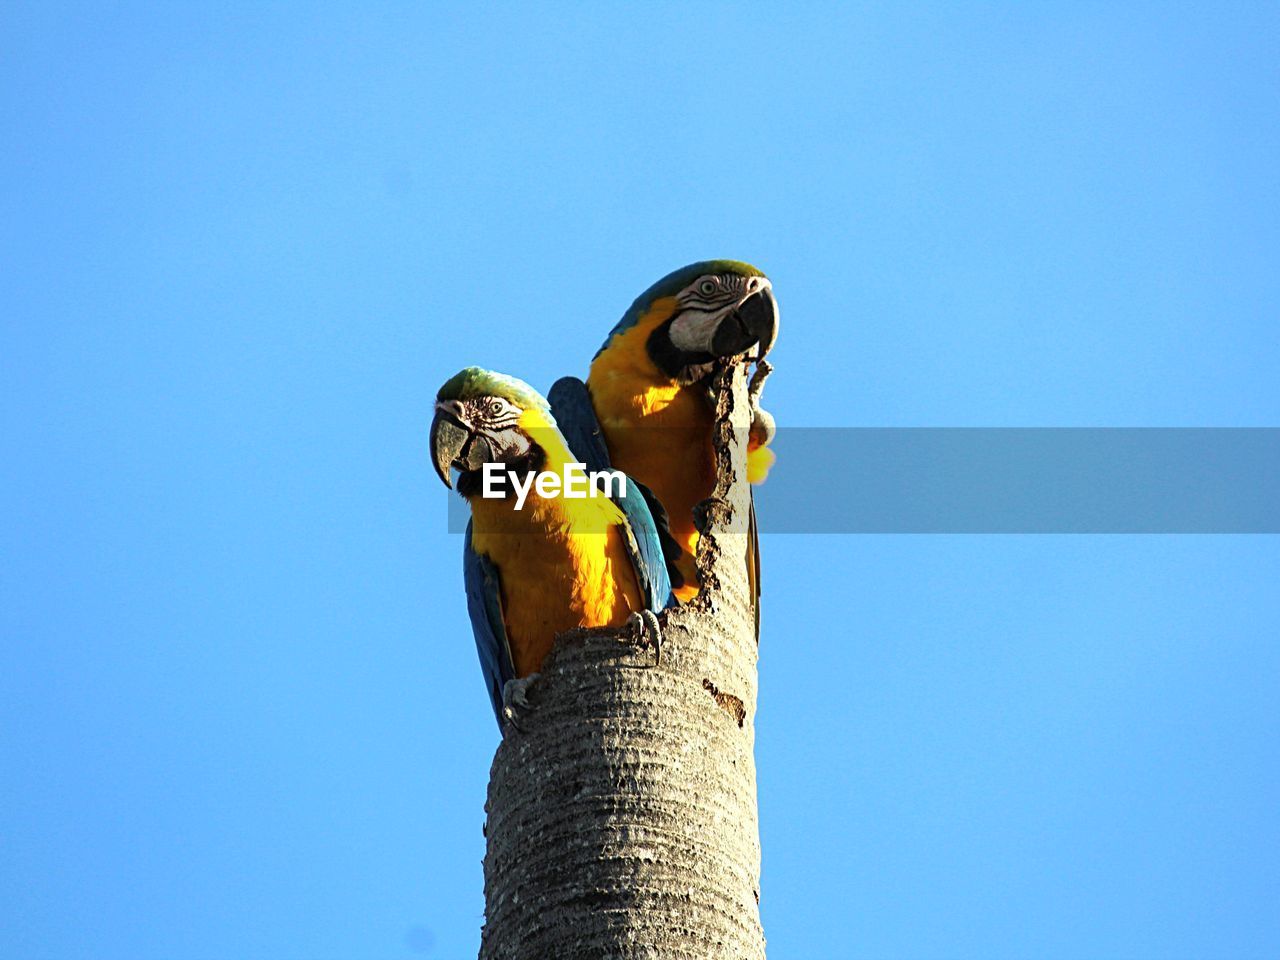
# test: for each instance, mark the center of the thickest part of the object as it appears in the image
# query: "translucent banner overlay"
(1014, 480)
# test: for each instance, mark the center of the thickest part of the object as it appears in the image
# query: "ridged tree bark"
(622, 818)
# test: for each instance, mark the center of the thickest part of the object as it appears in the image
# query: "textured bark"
(622, 818)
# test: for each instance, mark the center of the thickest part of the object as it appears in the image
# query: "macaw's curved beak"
(455, 444)
(755, 320)
(449, 438)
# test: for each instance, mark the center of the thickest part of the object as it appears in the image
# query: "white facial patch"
(693, 329)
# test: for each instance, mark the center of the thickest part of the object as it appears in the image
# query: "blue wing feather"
(571, 406)
(484, 605)
(645, 548)
(653, 551)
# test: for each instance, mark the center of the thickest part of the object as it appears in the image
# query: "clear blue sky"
(241, 246)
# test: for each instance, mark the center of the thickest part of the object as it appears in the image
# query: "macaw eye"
(707, 287)
(495, 407)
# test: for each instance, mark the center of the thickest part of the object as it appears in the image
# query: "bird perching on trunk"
(650, 388)
(622, 821)
(538, 565)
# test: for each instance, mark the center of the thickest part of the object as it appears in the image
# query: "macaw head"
(701, 313)
(485, 417)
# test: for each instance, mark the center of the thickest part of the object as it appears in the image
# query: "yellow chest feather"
(562, 563)
(659, 433)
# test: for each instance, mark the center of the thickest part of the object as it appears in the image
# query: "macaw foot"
(756, 385)
(648, 633)
(515, 700)
(763, 426)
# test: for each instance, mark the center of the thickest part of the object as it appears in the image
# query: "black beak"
(754, 321)
(448, 440)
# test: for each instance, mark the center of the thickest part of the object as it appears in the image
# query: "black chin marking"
(673, 361)
(471, 482)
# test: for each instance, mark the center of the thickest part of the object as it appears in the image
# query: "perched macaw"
(648, 386)
(552, 564)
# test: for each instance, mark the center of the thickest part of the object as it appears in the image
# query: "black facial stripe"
(713, 302)
(729, 287)
(503, 420)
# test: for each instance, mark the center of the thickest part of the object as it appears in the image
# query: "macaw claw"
(756, 386)
(763, 426)
(648, 632)
(515, 700)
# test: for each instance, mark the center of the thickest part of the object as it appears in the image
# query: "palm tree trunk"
(622, 818)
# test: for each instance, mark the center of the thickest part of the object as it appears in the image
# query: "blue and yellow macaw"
(648, 386)
(554, 564)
